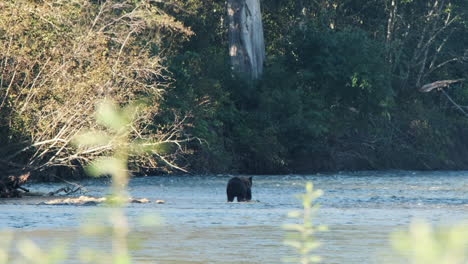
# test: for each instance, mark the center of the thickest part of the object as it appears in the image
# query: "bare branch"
(438, 85)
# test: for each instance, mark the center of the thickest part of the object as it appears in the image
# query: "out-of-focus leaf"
(5, 242)
(294, 214)
(106, 166)
(150, 220)
(422, 244)
(92, 139)
(294, 227)
(109, 115)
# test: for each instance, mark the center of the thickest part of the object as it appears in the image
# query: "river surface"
(198, 226)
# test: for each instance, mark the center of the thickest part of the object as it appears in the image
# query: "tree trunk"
(246, 43)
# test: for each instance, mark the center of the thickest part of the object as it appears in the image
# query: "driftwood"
(66, 190)
(10, 186)
(88, 200)
(35, 194)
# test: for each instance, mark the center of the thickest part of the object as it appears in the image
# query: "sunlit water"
(199, 226)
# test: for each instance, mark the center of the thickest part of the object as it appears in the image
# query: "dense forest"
(340, 87)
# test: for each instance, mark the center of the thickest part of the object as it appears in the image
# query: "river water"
(198, 226)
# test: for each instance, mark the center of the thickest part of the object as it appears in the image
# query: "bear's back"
(237, 186)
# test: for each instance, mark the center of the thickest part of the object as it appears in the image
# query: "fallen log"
(10, 185)
(35, 194)
(67, 190)
(88, 200)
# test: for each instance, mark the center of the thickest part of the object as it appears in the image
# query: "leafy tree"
(58, 58)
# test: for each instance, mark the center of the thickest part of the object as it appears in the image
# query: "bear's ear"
(250, 180)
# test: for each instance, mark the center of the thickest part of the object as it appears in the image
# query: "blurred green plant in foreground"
(422, 244)
(302, 236)
(117, 125)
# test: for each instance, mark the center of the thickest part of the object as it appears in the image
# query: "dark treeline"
(340, 88)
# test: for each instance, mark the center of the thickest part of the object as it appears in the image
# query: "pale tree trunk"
(246, 42)
(392, 16)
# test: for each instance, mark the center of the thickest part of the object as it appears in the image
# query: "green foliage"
(339, 89)
(59, 58)
(347, 67)
(302, 236)
(29, 252)
(422, 244)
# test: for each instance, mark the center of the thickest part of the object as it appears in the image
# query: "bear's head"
(247, 181)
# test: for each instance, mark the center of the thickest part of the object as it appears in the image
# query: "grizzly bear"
(239, 187)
